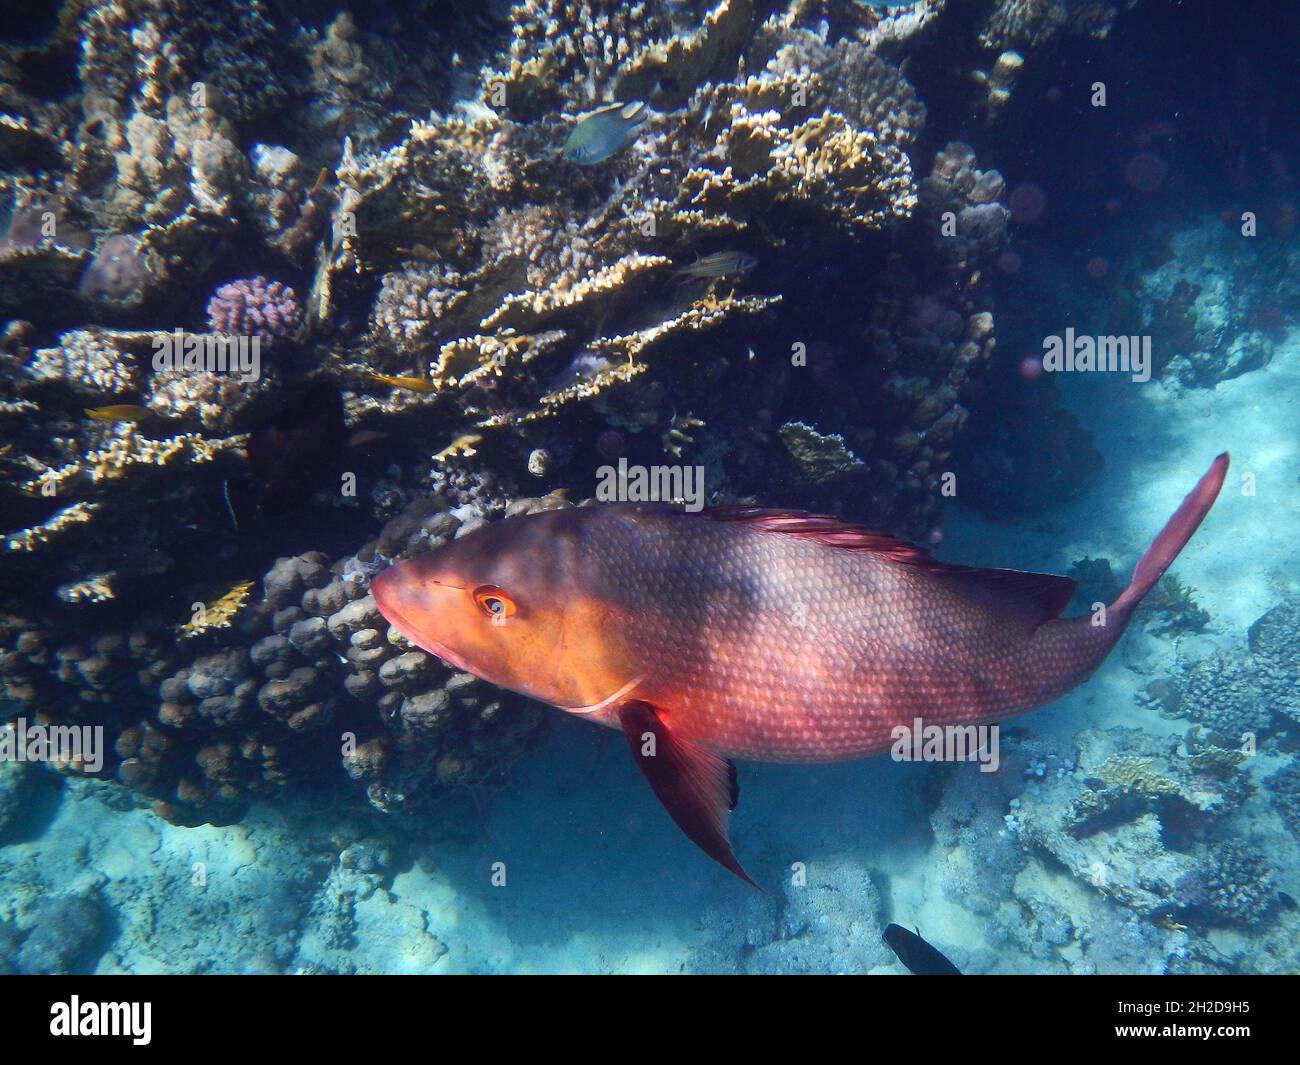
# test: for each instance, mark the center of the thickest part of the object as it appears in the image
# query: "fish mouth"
(393, 615)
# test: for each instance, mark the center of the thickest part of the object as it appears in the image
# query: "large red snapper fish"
(770, 635)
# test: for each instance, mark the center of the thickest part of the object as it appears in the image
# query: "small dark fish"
(602, 133)
(916, 954)
(720, 264)
(1287, 901)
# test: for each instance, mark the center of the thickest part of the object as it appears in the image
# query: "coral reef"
(1207, 325)
(1285, 788)
(1032, 23)
(247, 710)
(1233, 885)
(65, 932)
(464, 322)
(1250, 691)
(979, 857)
(832, 923)
(254, 306)
(87, 361)
(1170, 608)
(1132, 816)
(1023, 437)
(14, 787)
(481, 261)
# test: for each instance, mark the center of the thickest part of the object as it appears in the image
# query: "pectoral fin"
(697, 787)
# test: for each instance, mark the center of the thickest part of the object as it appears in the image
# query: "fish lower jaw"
(433, 647)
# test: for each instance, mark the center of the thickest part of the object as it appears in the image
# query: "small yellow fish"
(411, 384)
(118, 412)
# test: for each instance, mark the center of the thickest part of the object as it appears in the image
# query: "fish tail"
(1174, 536)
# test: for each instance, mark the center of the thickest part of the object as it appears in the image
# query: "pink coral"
(254, 306)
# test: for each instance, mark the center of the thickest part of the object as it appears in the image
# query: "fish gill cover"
(287, 296)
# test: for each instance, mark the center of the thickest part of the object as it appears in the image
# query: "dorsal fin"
(1032, 598)
(824, 530)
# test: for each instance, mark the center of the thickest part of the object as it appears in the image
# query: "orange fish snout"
(517, 623)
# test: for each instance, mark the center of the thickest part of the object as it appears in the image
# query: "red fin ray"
(824, 530)
(1174, 536)
(697, 787)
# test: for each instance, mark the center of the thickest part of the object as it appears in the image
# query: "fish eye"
(493, 602)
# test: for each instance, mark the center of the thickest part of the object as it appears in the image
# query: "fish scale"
(719, 637)
(753, 634)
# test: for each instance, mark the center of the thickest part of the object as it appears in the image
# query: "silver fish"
(602, 133)
(720, 264)
(584, 366)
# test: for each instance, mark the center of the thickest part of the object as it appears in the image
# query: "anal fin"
(697, 787)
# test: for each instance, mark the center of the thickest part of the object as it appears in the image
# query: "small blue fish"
(602, 133)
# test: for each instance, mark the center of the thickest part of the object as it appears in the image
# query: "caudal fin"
(1174, 536)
